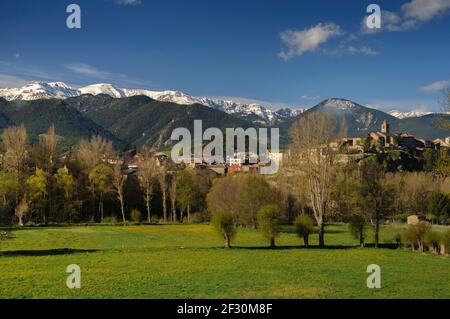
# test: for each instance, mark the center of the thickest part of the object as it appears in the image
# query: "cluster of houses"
(384, 139)
(348, 148)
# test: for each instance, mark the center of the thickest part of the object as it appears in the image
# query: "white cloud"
(10, 81)
(17, 55)
(412, 15)
(425, 10)
(310, 98)
(298, 42)
(436, 86)
(88, 71)
(390, 21)
(127, 2)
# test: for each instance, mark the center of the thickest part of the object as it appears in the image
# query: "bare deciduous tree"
(118, 182)
(48, 143)
(163, 184)
(15, 142)
(173, 195)
(21, 210)
(94, 151)
(147, 173)
(311, 158)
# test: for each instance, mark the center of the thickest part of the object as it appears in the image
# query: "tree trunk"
(122, 209)
(20, 221)
(321, 235)
(101, 210)
(164, 206)
(361, 240)
(227, 242)
(189, 213)
(377, 231)
(272, 242)
(174, 213)
(147, 202)
(306, 240)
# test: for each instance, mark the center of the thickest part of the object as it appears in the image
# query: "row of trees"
(37, 186)
(313, 186)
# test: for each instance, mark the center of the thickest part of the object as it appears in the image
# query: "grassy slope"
(187, 261)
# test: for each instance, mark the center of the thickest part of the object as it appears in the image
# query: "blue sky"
(293, 53)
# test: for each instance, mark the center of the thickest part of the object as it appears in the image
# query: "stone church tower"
(385, 127)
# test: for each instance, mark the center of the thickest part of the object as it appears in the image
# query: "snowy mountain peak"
(286, 112)
(42, 90)
(403, 115)
(341, 104)
(39, 90)
(103, 88)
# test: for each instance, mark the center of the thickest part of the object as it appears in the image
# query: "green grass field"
(188, 261)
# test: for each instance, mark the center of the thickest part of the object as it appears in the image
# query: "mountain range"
(253, 112)
(127, 116)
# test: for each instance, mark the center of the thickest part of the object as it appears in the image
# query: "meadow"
(189, 261)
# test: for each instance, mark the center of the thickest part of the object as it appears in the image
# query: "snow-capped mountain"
(340, 104)
(42, 90)
(403, 115)
(286, 113)
(39, 90)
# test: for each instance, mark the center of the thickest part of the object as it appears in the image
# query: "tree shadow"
(48, 252)
(300, 247)
(392, 246)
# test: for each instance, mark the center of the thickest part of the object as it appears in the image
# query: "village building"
(384, 138)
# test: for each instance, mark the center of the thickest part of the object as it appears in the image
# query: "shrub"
(415, 235)
(398, 239)
(445, 241)
(135, 215)
(433, 241)
(304, 226)
(224, 224)
(358, 228)
(4, 235)
(197, 218)
(269, 220)
(110, 220)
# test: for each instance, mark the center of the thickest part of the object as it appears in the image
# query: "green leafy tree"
(66, 183)
(37, 191)
(304, 226)
(8, 188)
(269, 221)
(358, 226)
(241, 195)
(187, 192)
(375, 195)
(101, 180)
(415, 235)
(439, 207)
(223, 223)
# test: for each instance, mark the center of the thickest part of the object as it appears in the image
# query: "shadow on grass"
(49, 252)
(384, 246)
(331, 247)
(315, 247)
